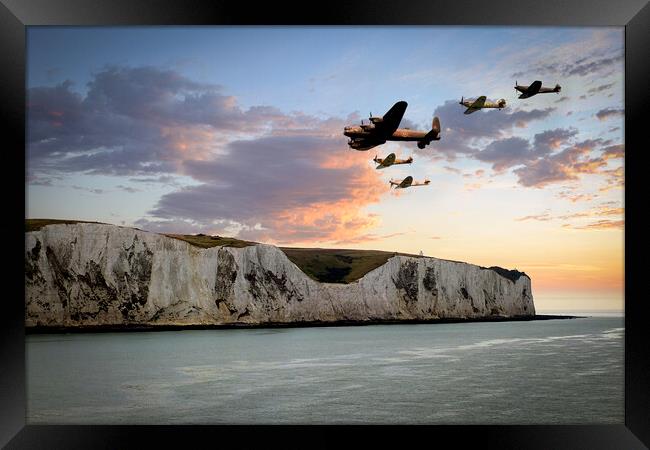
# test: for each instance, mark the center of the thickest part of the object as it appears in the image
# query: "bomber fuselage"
(401, 134)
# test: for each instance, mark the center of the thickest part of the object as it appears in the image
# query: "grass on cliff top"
(205, 241)
(320, 264)
(324, 264)
(337, 265)
(37, 224)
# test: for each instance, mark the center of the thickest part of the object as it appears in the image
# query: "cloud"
(594, 65)
(551, 140)
(599, 225)
(563, 166)
(602, 87)
(476, 174)
(576, 197)
(129, 189)
(614, 151)
(297, 188)
(606, 113)
(598, 211)
(514, 151)
(506, 153)
(539, 217)
(91, 190)
(541, 160)
(615, 178)
(165, 180)
(261, 174)
(452, 170)
(135, 121)
(370, 237)
(601, 54)
(461, 133)
(602, 213)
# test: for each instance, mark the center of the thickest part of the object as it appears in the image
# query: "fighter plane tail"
(557, 88)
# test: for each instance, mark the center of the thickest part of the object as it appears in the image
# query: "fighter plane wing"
(387, 161)
(406, 182)
(479, 102)
(477, 105)
(390, 121)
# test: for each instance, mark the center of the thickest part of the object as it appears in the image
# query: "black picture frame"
(15, 15)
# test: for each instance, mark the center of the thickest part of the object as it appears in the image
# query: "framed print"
(291, 224)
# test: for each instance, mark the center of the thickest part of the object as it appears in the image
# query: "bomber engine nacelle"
(376, 119)
(359, 144)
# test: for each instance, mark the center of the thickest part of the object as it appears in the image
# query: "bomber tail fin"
(435, 125)
(434, 134)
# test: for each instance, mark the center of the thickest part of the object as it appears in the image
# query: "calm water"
(555, 371)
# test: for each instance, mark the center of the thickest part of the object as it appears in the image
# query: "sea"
(563, 371)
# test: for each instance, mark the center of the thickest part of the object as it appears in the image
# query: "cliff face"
(94, 274)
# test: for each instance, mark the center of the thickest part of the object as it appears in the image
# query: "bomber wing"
(390, 121)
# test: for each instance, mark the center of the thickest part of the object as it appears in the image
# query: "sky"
(238, 131)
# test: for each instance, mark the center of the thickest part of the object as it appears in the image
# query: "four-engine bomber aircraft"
(382, 129)
(391, 160)
(480, 103)
(535, 88)
(407, 182)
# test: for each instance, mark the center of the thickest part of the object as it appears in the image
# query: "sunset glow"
(238, 132)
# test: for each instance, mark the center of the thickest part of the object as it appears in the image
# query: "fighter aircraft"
(390, 160)
(480, 103)
(407, 182)
(382, 129)
(535, 88)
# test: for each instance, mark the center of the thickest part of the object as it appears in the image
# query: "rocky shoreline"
(311, 324)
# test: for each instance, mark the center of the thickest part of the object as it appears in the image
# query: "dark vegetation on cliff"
(205, 241)
(321, 264)
(337, 265)
(37, 224)
(512, 275)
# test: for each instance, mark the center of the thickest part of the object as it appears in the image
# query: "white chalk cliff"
(93, 274)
